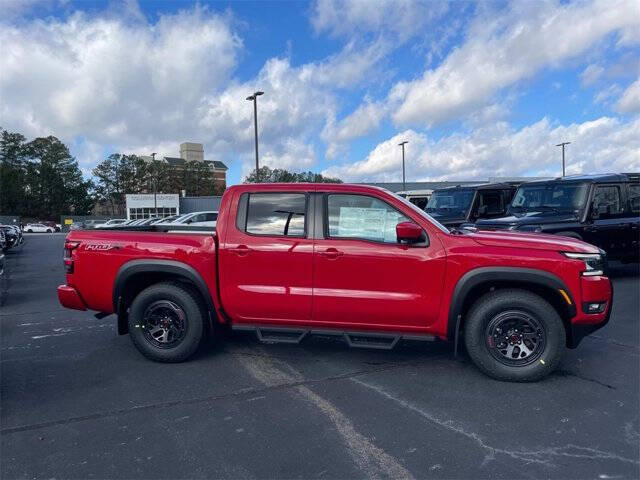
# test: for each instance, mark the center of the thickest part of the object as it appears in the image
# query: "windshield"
(423, 214)
(550, 196)
(450, 201)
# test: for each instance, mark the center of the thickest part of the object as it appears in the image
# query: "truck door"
(363, 278)
(608, 230)
(265, 259)
(632, 245)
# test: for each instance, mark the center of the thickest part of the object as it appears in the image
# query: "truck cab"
(603, 210)
(453, 206)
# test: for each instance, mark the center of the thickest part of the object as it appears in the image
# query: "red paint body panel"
(324, 282)
(69, 298)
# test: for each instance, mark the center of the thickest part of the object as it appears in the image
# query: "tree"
(267, 175)
(12, 172)
(40, 178)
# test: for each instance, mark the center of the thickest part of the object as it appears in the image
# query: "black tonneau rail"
(157, 228)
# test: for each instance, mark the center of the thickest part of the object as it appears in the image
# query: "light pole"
(254, 98)
(402, 144)
(155, 184)
(562, 145)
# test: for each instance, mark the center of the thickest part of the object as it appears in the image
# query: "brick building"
(194, 152)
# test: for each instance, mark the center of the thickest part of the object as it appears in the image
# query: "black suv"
(453, 206)
(603, 210)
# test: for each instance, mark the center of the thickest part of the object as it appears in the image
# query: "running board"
(354, 339)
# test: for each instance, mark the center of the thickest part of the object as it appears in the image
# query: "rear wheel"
(49, 230)
(514, 335)
(166, 322)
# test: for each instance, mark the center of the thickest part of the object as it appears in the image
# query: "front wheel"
(166, 322)
(29, 231)
(514, 335)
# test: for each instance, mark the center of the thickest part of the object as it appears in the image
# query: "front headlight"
(594, 262)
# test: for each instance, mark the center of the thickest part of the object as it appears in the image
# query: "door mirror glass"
(482, 210)
(409, 232)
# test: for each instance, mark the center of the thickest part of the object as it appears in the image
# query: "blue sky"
(478, 89)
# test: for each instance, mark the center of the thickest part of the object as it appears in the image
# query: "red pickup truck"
(291, 260)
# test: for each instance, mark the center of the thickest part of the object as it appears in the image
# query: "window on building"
(281, 214)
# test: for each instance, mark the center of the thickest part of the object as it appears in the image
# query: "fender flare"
(481, 275)
(179, 269)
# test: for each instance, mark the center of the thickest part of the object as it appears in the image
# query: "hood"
(529, 218)
(532, 241)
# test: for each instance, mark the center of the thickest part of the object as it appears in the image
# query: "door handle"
(241, 250)
(331, 253)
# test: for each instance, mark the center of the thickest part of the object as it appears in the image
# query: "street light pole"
(155, 185)
(402, 144)
(254, 98)
(562, 145)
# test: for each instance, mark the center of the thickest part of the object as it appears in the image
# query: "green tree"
(267, 175)
(53, 183)
(12, 172)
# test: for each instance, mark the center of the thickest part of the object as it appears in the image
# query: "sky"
(478, 89)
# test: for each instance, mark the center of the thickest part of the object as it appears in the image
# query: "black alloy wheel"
(164, 324)
(515, 338)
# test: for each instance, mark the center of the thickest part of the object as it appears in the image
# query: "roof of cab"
(595, 178)
(482, 186)
(307, 187)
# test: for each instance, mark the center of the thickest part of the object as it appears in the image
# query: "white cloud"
(591, 74)
(365, 119)
(602, 145)
(629, 102)
(502, 49)
(401, 18)
(115, 81)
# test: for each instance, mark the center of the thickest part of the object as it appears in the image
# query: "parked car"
(12, 236)
(419, 198)
(93, 223)
(56, 226)
(114, 222)
(453, 206)
(2, 277)
(168, 219)
(79, 225)
(3, 241)
(603, 210)
(198, 219)
(356, 261)
(38, 228)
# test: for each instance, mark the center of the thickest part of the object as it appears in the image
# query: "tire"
(156, 301)
(497, 311)
(49, 230)
(29, 231)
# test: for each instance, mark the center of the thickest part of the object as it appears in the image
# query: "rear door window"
(493, 202)
(276, 214)
(634, 197)
(608, 197)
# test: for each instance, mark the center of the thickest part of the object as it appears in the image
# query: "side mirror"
(482, 210)
(409, 232)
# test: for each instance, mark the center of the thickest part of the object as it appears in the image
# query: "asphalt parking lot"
(78, 401)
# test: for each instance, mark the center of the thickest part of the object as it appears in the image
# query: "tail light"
(69, 247)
